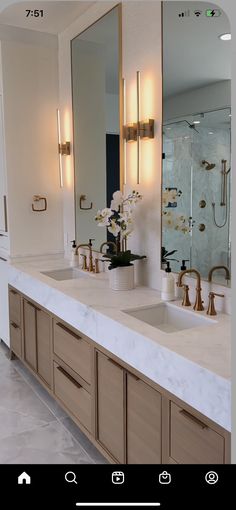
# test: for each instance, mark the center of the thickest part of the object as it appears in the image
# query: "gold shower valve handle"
(38, 198)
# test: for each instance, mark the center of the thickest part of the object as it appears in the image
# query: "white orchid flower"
(103, 217)
(114, 228)
(117, 200)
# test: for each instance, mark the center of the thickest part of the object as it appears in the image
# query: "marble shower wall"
(184, 150)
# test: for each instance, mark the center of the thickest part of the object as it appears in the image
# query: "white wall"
(198, 100)
(30, 88)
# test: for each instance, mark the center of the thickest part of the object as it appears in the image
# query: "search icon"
(70, 477)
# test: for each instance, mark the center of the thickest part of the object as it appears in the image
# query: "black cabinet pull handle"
(68, 376)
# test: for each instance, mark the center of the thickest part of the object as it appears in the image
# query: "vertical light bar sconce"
(63, 148)
(124, 138)
(139, 130)
(138, 124)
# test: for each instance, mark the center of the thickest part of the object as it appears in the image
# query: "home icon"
(24, 479)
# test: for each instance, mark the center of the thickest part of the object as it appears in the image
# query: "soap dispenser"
(74, 261)
(168, 285)
(179, 290)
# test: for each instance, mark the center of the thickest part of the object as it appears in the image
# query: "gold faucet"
(215, 268)
(89, 246)
(198, 306)
(111, 243)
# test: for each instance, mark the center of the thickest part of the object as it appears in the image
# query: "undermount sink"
(169, 318)
(68, 273)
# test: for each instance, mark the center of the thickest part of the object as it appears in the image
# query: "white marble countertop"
(193, 364)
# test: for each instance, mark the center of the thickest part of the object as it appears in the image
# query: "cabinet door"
(192, 441)
(3, 212)
(43, 326)
(110, 407)
(30, 350)
(143, 423)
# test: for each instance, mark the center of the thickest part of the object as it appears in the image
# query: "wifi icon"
(197, 13)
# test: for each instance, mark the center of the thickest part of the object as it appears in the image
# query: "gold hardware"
(130, 132)
(186, 300)
(201, 227)
(64, 149)
(215, 268)
(146, 129)
(89, 246)
(38, 198)
(84, 266)
(198, 306)
(81, 200)
(111, 243)
(202, 204)
(211, 306)
(96, 266)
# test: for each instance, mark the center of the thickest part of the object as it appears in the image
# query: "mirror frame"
(228, 284)
(121, 100)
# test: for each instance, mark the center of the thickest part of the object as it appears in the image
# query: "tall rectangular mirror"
(96, 88)
(196, 171)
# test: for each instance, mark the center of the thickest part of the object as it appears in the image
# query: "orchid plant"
(118, 219)
(170, 219)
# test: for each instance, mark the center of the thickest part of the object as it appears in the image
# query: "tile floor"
(34, 429)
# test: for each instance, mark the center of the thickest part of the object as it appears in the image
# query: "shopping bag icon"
(164, 477)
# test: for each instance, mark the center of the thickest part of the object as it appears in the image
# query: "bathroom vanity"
(141, 395)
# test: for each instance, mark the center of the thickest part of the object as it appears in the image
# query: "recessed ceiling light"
(225, 37)
(230, 114)
(210, 133)
(168, 128)
(196, 122)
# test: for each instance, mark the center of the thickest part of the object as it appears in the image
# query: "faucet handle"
(186, 300)
(211, 306)
(84, 266)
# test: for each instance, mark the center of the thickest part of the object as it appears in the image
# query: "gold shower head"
(208, 166)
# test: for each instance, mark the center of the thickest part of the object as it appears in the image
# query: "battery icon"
(213, 13)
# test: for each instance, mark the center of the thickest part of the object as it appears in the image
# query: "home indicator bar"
(143, 505)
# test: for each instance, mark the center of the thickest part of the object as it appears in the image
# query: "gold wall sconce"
(139, 130)
(64, 149)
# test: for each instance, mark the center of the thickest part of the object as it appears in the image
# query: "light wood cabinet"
(111, 407)
(37, 340)
(192, 440)
(143, 422)
(75, 398)
(73, 350)
(15, 307)
(30, 349)
(129, 418)
(16, 339)
(44, 358)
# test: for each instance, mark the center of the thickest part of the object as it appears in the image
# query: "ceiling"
(57, 15)
(193, 54)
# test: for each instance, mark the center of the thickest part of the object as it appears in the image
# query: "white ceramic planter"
(121, 278)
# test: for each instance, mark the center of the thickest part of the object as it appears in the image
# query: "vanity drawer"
(15, 339)
(73, 350)
(15, 307)
(192, 441)
(73, 396)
